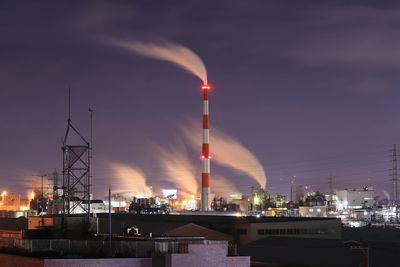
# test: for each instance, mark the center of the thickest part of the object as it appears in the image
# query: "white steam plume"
(227, 151)
(129, 180)
(221, 186)
(386, 194)
(171, 52)
(179, 170)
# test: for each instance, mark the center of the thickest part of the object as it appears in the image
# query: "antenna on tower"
(76, 169)
(69, 103)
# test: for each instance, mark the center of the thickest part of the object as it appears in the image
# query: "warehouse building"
(242, 229)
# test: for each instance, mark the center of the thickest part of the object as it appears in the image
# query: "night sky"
(311, 88)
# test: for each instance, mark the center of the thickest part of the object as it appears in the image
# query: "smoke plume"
(222, 186)
(386, 194)
(227, 151)
(129, 180)
(179, 170)
(171, 52)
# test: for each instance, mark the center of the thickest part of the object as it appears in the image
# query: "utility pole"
(394, 175)
(291, 188)
(331, 191)
(41, 190)
(90, 159)
(291, 191)
(109, 221)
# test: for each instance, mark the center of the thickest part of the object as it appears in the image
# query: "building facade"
(355, 199)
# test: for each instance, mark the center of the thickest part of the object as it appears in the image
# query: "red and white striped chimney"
(205, 155)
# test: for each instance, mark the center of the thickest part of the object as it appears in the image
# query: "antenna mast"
(76, 170)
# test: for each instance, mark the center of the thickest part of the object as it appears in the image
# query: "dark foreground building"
(205, 239)
(158, 252)
(242, 229)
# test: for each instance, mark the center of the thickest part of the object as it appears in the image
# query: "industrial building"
(355, 199)
(13, 202)
(158, 239)
(56, 240)
(243, 229)
(313, 211)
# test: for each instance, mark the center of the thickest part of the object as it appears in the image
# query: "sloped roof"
(194, 230)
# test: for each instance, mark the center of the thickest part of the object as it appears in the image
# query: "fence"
(127, 248)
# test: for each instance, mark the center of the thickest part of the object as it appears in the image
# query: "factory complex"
(62, 223)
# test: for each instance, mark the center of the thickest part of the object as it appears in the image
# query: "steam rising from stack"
(130, 180)
(179, 170)
(171, 52)
(229, 152)
(222, 185)
(182, 172)
(188, 60)
(386, 194)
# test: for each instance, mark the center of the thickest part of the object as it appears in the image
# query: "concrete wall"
(238, 261)
(198, 255)
(206, 256)
(121, 262)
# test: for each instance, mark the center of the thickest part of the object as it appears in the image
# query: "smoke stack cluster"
(205, 156)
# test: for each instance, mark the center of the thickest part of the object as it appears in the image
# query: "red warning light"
(205, 87)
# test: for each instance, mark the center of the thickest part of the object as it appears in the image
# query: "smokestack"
(205, 156)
